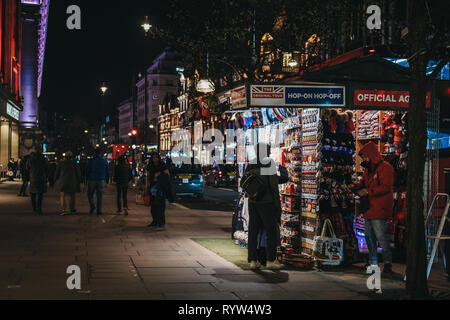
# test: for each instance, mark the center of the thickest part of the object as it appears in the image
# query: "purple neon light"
(45, 5)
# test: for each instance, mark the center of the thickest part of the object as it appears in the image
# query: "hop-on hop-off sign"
(296, 96)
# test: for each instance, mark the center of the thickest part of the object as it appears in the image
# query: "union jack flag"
(267, 89)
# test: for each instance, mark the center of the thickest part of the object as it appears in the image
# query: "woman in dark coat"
(68, 179)
(38, 168)
(122, 178)
(159, 180)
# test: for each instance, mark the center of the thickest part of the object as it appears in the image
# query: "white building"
(125, 119)
(162, 82)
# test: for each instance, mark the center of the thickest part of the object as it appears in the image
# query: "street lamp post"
(103, 89)
(146, 26)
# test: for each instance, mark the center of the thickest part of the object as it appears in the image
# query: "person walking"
(97, 174)
(170, 166)
(159, 189)
(12, 170)
(112, 168)
(264, 212)
(83, 165)
(25, 173)
(378, 185)
(122, 178)
(68, 178)
(38, 169)
(51, 173)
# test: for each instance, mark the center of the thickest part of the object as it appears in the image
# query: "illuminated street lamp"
(103, 88)
(205, 86)
(146, 26)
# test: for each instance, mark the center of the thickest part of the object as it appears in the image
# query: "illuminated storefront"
(9, 133)
(10, 69)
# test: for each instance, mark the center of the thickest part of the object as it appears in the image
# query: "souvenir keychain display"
(291, 197)
(310, 174)
(290, 193)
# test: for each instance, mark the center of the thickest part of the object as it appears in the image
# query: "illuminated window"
(287, 57)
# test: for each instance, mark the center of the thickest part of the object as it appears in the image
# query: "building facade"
(10, 67)
(34, 36)
(125, 120)
(154, 89)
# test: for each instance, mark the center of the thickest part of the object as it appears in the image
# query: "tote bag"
(328, 250)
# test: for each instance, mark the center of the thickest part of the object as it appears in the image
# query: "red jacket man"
(378, 179)
(378, 184)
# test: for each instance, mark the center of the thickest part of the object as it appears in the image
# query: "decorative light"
(292, 63)
(146, 26)
(205, 86)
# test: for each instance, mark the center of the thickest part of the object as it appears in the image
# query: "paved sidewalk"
(121, 258)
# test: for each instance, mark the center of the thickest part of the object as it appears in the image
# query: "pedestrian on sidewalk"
(83, 165)
(159, 188)
(12, 168)
(265, 211)
(38, 168)
(25, 173)
(122, 178)
(97, 174)
(67, 183)
(51, 173)
(378, 185)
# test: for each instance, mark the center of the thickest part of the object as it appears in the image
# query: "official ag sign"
(384, 99)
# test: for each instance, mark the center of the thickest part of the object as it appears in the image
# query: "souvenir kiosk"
(334, 121)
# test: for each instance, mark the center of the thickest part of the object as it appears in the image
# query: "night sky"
(109, 46)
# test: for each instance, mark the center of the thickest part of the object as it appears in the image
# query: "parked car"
(189, 181)
(223, 175)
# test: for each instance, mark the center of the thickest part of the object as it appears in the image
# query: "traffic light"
(134, 132)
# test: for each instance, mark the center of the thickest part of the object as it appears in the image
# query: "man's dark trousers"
(122, 194)
(262, 215)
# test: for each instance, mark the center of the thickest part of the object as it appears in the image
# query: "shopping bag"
(328, 250)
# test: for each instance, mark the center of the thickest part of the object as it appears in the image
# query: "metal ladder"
(439, 235)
